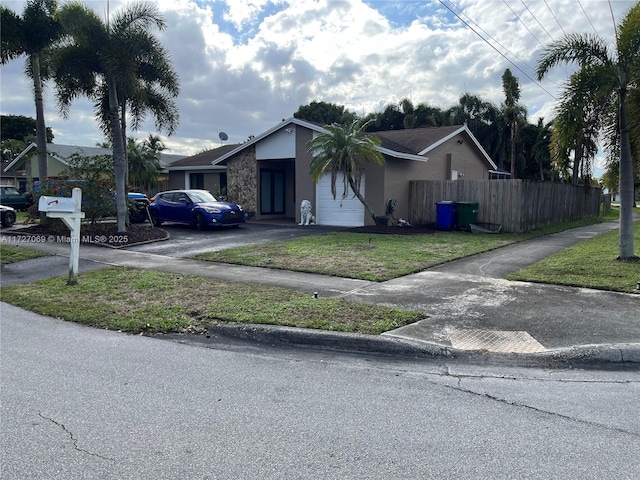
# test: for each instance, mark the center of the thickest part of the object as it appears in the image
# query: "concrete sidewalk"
(472, 312)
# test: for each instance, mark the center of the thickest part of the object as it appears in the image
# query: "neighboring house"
(269, 174)
(26, 163)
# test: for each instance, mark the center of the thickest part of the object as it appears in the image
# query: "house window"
(196, 180)
(272, 192)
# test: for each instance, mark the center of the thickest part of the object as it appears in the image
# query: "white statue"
(305, 213)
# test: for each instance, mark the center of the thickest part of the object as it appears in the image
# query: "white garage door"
(348, 212)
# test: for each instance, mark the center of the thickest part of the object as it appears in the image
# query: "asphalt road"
(85, 403)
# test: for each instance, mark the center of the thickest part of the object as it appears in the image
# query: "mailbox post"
(68, 210)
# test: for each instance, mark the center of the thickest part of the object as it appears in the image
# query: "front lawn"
(591, 264)
(136, 301)
(372, 257)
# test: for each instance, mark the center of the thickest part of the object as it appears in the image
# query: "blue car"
(194, 207)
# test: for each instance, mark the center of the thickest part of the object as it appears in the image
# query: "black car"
(194, 207)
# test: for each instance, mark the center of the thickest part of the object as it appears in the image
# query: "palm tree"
(31, 35)
(343, 151)
(607, 74)
(110, 63)
(144, 163)
(513, 112)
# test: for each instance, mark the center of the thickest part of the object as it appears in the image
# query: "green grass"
(591, 264)
(135, 301)
(10, 254)
(373, 257)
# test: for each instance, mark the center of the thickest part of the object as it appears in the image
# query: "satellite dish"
(223, 136)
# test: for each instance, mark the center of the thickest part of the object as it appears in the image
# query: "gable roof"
(414, 140)
(203, 160)
(420, 141)
(62, 152)
(290, 121)
(408, 144)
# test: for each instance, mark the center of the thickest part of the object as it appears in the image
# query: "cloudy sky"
(244, 65)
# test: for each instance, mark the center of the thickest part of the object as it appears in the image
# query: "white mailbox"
(68, 210)
(57, 204)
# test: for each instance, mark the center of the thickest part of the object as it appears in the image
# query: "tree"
(109, 63)
(144, 162)
(343, 151)
(607, 74)
(534, 151)
(512, 114)
(19, 127)
(325, 113)
(31, 35)
(482, 118)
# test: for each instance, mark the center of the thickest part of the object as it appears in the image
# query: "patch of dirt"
(99, 234)
(393, 229)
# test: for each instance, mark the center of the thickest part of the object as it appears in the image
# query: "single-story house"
(26, 163)
(269, 174)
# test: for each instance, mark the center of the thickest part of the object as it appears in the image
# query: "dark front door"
(272, 192)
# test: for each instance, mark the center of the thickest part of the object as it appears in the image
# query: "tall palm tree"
(513, 112)
(343, 151)
(607, 74)
(31, 35)
(578, 122)
(109, 63)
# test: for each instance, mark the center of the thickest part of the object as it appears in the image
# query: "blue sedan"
(194, 207)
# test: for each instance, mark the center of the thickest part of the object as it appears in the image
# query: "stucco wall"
(242, 179)
(305, 188)
(463, 157)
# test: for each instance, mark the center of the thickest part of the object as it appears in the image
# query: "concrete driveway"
(185, 241)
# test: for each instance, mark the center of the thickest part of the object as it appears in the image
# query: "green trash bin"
(467, 214)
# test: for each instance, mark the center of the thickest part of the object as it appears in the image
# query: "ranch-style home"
(269, 174)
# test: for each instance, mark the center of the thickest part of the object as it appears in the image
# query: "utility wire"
(538, 21)
(489, 35)
(556, 18)
(494, 48)
(588, 19)
(524, 24)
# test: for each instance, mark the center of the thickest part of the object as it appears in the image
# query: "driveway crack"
(74, 440)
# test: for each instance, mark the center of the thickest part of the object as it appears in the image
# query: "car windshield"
(201, 197)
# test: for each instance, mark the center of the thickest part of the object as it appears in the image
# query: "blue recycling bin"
(446, 215)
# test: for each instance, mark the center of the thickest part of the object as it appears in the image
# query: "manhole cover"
(495, 341)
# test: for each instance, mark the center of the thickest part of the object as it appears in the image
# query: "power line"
(523, 24)
(489, 35)
(556, 18)
(538, 21)
(494, 48)
(588, 19)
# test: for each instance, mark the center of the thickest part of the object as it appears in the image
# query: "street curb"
(608, 355)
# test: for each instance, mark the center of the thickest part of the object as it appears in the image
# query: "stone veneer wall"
(242, 179)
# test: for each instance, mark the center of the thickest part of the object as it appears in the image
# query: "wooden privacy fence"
(518, 205)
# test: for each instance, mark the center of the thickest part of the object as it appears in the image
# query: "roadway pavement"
(472, 312)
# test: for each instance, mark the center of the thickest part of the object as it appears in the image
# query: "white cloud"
(246, 64)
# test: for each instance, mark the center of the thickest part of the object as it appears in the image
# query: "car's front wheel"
(8, 218)
(201, 222)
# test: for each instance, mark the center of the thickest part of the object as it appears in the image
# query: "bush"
(94, 175)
